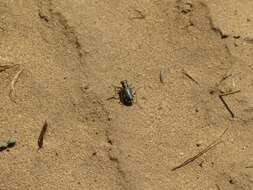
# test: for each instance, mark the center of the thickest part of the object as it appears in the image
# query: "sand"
(73, 52)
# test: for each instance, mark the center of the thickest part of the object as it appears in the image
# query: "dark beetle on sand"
(126, 95)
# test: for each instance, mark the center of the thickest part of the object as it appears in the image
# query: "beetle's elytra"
(126, 94)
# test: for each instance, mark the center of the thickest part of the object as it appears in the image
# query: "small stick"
(190, 77)
(225, 103)
(249, 166)
(226, 106)
(42, 134)
(13, 82)
(230, 93)
(224, 132)
(188, 161)
(5, 67)
(209, 147)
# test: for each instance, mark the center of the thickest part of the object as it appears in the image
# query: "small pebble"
(164, 75)
(11, 142)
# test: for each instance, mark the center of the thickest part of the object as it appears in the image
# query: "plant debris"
(188, 161)
(138, 15)
(209, 147)
(13, 82)
(5, 67)
(42, 134)
(225, 103)
(190, 77)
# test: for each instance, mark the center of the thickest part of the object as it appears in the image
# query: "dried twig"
(42, 134)
(224, 132)
(7, 64)
(226, 106)
(209, 147)
(190, 77)
(13, 82)
(225, 103)
(5, 67)
(139, 14)
(188, 161)
(230, 93)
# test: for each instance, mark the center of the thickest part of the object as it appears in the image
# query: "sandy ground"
(74, 51)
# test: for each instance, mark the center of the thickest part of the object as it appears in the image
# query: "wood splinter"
(5, 67)
(42, 134)
(13, 82)
(140, 15)
(225, 103)
(190, 77)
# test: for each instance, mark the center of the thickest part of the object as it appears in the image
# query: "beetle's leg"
(116, 92)
(134, 93)
(136, 99)
(113, 97)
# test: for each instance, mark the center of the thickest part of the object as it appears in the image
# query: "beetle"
(125, 92)
(126, 95)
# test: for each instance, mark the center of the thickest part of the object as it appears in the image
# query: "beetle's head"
(124, 83)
